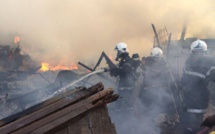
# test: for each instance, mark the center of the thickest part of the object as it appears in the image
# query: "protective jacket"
(155, 73)
(198, 71)
(155, 92)
(125, 72)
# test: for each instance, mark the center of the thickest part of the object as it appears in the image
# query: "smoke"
(79, 30)
(68, 31)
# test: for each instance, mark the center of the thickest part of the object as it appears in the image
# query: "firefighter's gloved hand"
(114, 72)
(209, 122)
(106, 69)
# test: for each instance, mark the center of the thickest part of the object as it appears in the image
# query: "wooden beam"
(82, 94)
(67, 117)
(66, 113)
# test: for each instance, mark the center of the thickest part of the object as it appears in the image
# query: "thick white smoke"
(70, 30)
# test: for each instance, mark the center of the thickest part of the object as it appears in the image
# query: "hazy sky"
(67, 31)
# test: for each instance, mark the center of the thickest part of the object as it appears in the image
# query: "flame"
(111, 57)
(74, 67)
(16, 39)
(46, 67)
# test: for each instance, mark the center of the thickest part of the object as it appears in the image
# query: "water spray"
(63, 89)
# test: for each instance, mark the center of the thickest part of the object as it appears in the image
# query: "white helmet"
(199, 46)
(157, 52)
(121, 47)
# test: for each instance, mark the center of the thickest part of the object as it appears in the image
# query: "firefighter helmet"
(198, 46)
(156, 52)
(121, 47)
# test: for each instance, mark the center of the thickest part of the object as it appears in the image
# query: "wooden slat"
(99, 122)
(66, 114)
(62, 131)
(75, 128)
(95, 121)
(64, 119)
(49, 109)
(34, 108)
(82, 127)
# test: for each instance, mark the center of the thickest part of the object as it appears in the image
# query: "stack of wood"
(81, 110)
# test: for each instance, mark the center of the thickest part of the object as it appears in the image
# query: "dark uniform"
(156, 83)
(198, 71)
(155, 95)
(126, 83)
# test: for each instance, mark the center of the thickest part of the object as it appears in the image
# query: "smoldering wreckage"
(148, 95)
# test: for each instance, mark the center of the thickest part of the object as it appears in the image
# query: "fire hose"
(63, 89)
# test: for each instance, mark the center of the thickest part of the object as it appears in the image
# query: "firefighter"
(155, 95)
(125, 75)
(198, 71)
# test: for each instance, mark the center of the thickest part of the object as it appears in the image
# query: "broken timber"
(65, 111)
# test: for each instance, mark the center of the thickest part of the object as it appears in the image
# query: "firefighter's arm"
(114, 72)
(211, 76)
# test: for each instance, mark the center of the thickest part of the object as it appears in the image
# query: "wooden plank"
(85, 128)
(64, 119)
(67, 113)
(100, 123)
(83, 125)
(74, 128)
(9, 119)
(33, 108)
(62, 131)
(42, 124)
(96, 121)
(47, 110)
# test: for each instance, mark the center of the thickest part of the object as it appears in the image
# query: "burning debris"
(46, 67)
(20, 93)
